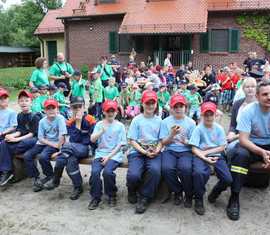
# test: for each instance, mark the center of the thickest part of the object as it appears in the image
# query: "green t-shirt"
(135, 98)
(163, 98)
(56, 71)
(60, 98)
(78, 87)
(194, 100)
(38, 103)
(106, 72)
(110, 93)
(124, 97)
(96, 91)
(39, 77)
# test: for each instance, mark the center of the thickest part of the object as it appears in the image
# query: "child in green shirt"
(78, 84)
(195, 101)
(163, 101)
(96, 95)
(133, 109)
(41, 96)
(60, 98)
(111, 91)
(124, 98)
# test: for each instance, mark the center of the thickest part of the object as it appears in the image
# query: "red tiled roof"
(225, 5)
(49, 24)
(167, 17)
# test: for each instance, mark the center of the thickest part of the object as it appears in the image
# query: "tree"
(18, 23)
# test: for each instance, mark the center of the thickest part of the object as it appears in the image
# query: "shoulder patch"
(70, 121)
(90, 119)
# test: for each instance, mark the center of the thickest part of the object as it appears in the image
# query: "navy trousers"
(201, 174)
(177, 171)
(143, 174)
(7, 150)
(43, 152)
(241, 158)
(108, 176)
(71, 154)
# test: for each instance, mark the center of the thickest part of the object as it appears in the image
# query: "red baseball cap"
(3, 92)
(110, 104)
(51, 102)
(25, 93)
(149, 95)
(177, 99)
(208, 106)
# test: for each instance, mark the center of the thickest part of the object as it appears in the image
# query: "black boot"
(93, 204)
(212, 197)
(188, 201)
(77, 191)
(141, 205)
(55, 181)
(132, 197)
(178, 198)
(199, 207)
(233, 208)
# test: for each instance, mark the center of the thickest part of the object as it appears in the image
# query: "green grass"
(16, 78)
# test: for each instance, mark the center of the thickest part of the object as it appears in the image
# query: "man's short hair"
(262, 83)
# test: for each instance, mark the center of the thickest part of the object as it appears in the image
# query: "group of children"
(173, 147)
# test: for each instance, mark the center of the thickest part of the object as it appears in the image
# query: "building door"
(52, 51)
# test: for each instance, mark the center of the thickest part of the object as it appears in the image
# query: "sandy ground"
(52, 212)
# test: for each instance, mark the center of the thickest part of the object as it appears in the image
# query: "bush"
(15, 77)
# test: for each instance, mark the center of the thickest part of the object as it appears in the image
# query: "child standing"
(51, 136)
(41, 97)
(78, 84)
(124, 98)
(133, 108)
(208, 141)
(144, 158)
(20, 141)
(96, 94)
(177, 158)
(61, 99)
(194, 100)
(163, 100)
(110, 136)
(111, 91)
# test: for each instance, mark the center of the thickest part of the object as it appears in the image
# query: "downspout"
(42, 43)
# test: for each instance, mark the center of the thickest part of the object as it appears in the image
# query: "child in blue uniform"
(144, 158)
(80, 127)
(20, 141)
(110, 136)
(208, 141)
(177, 157)
(51, 136)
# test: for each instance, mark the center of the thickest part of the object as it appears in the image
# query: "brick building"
(204, 31)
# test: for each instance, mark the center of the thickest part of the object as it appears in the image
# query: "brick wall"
(88, 40)
(220, 21)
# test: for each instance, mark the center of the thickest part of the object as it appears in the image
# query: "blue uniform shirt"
(114, 135)
(81, 136)
(253, 121)
(8, 119)
(187, 125)
(205, 138)
(144, 130)
(52, 130)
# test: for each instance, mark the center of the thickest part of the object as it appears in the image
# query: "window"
(120, 42)
(125, 43)
(220, 40)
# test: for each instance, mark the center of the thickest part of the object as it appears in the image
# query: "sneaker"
(188, 202)
(112, 200)
(178, 199)
(37, 185)
(199, 207)
(233, 209)
(212, 197)
(5, 178)
(132, 197)
(76, 193)
(46, 179)
(93, 204)
(141, 206)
